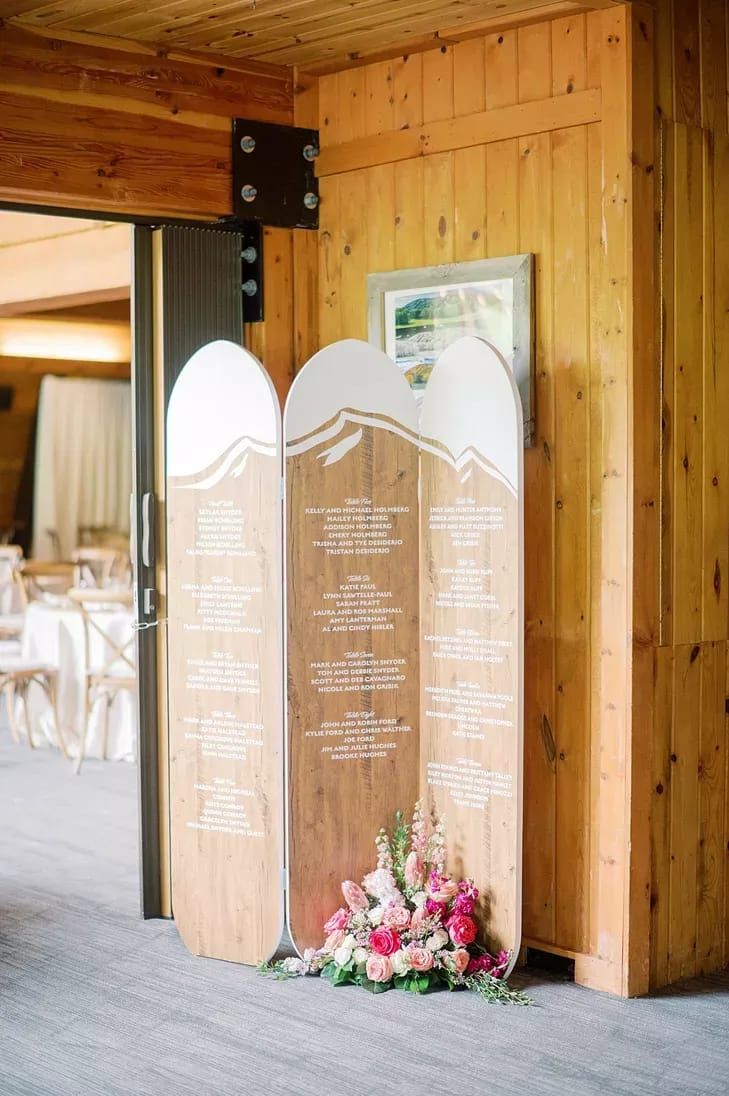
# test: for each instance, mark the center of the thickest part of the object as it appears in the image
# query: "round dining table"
(53, 634)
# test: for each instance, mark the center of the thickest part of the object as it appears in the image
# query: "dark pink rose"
(462, 929)
(480, 964)
(435, 909)
(384, 941)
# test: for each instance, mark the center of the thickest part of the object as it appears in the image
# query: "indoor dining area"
(67, 642)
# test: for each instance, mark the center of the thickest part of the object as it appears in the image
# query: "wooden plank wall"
(690, 805)
(563, 194)
(106, 124)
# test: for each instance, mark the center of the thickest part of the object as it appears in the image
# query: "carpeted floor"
(94, 1000)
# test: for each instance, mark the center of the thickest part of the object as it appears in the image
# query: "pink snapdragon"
(354, 896)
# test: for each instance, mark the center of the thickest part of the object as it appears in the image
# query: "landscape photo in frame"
(414, 315)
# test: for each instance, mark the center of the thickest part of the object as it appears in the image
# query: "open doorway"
(68, 718)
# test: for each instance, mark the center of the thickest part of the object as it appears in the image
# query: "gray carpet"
(93, 1000)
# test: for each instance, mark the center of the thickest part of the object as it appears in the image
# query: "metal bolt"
(311, 200)
(310, 152)
(247, 144)
(249, 255)
(248, 193)
(250, 288)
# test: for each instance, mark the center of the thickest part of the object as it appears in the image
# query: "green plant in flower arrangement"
(408, 926)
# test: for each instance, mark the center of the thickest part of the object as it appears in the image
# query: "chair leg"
(84, 733)
(52, 690)
(23, 694)
(109, 698)
(9, 691)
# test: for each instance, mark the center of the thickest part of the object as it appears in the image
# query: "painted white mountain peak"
(347, 441)
(229, 464)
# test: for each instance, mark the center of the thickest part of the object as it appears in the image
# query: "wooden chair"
(95, 566)
(16, 678)
(115, 671)
(11, 558)
(46, 578)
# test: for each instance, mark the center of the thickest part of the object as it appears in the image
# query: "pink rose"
(396, 917)
(413, 871)
(379, 968)
(443, 890)
(420, 959)
(384, 942)
(354, 896)
(333, 940)
(338, 920)
(460, 959)
(462, 929)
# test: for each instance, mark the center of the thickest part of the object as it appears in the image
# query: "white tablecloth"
(56, 636)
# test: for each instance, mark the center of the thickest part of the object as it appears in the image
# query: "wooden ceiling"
(314, 34)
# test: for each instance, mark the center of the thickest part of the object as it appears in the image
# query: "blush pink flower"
(396, 917)
(384, 941)
(443, 890)
(338, 920)
(420, 959)
(354, 896)
(333, 940)
(460, 959)
(420, 915)
(379, 968)
(462, 929)
(413, 871)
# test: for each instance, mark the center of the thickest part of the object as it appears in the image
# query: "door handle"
(147, 528)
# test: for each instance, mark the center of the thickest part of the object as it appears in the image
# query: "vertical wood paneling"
(501, 76)
(690, 831)
(688, 385)
(549, 194)
(687, 62)
(715, 410)
(540, 762)
(684, 760)
(712, 792)
(572, 529)
(661, 771)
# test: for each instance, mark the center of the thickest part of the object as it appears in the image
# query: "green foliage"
(400, 845)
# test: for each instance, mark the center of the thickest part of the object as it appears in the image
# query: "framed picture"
(414, 314)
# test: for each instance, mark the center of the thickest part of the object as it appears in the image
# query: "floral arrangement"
(408, 926)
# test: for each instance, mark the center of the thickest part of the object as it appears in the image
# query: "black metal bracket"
(273, 174)
(251, 261)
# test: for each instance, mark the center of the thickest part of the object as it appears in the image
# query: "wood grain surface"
(225, 703)
(352, 592)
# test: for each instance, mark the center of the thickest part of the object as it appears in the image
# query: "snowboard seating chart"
(345, 634)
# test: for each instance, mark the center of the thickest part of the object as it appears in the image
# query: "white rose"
(293, 965)
(437, 941)
(376, 915)
(419, 899)
(342, 956)
(400, 964)
(360, 955)
(349, 941)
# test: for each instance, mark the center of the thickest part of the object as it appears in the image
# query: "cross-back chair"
(113, 669)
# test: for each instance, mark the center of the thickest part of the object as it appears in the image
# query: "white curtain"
(83, 461)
